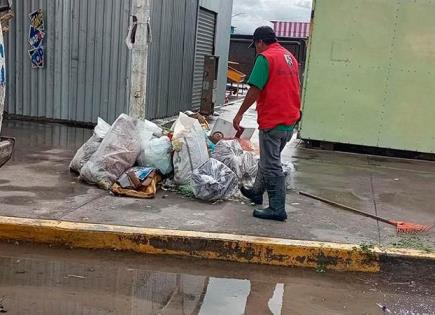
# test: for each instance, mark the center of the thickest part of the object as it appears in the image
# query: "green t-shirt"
(259, 77)
(260, 73)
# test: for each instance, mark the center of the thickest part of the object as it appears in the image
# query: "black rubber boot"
(252, 196)
(255, 194)
(276, 191)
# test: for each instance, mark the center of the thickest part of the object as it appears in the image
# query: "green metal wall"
(371, 74)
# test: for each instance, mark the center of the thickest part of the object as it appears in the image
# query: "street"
(217, 157)
(42, 280)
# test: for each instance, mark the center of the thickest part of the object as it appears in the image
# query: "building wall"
(224, 9)
(171, 56)
(172, 53)
(87, 62)
(370, 74)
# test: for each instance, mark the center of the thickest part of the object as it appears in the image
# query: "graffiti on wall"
(36, 38)
(2, 61)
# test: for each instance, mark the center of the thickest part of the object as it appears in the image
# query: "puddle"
(39, 280)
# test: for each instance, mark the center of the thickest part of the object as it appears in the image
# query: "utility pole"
(138, 40)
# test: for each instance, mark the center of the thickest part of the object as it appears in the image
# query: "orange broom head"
(409, 227)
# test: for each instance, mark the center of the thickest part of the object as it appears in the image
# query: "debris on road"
(137, 182)
(132, 157)
(76, 276)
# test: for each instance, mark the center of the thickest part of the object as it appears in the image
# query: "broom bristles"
(409, 227)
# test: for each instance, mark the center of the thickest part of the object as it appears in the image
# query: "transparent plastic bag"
(248, 169)
(157, 153)
(85, 152)
(213, 181)
(229, 152)
(117, 152)
(190, 147)
(243, 163)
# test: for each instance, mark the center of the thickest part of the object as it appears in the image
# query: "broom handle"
(339, 205)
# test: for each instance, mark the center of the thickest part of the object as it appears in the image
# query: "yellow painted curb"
(229, 247)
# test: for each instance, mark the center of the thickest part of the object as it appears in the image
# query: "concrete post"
(138, 40)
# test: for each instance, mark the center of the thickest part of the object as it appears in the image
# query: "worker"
(275, 86)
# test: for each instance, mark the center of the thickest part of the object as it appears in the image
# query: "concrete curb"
(228, 247)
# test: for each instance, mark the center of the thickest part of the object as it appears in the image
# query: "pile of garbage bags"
(131, 157)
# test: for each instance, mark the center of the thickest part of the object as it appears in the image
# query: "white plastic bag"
(157, 153)
(190, 148)
(213, 181)
(117, 152)
(147, 130)
(85, 152)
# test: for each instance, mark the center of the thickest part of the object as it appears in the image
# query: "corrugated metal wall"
(87, 61)
(171, 55)
(204, 47)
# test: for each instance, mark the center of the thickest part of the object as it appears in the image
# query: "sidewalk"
(36, 184)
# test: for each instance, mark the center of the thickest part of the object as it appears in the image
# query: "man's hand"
(251, 97)
(236, 121)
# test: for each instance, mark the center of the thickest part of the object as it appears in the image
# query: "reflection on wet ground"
(44, 136)
(41, 280)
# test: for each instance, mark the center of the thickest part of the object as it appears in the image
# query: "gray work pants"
(272, 142)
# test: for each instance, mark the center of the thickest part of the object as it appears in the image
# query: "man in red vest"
(275, 87)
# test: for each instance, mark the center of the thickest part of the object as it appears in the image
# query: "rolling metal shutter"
(204, 46)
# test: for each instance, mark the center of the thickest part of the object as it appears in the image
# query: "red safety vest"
(279, 102)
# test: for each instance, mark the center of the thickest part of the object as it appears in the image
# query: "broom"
(401, 226)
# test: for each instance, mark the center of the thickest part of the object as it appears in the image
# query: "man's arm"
(257, 81)
(250, 99)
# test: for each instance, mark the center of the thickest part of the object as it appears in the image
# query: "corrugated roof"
(291, 29)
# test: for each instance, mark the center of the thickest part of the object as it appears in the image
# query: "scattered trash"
(2, 308)
(117, 152)
(76, 276)
(190, 148)
(130, 157)
(289, 169)
(247, 145)
(226, 128)
(213, 181)
(85, 152)
(201, 119)
(384, 308)
(137, 182)
(186, 191)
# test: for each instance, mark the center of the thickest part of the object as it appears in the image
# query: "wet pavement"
(42, 280)
(36, 183)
